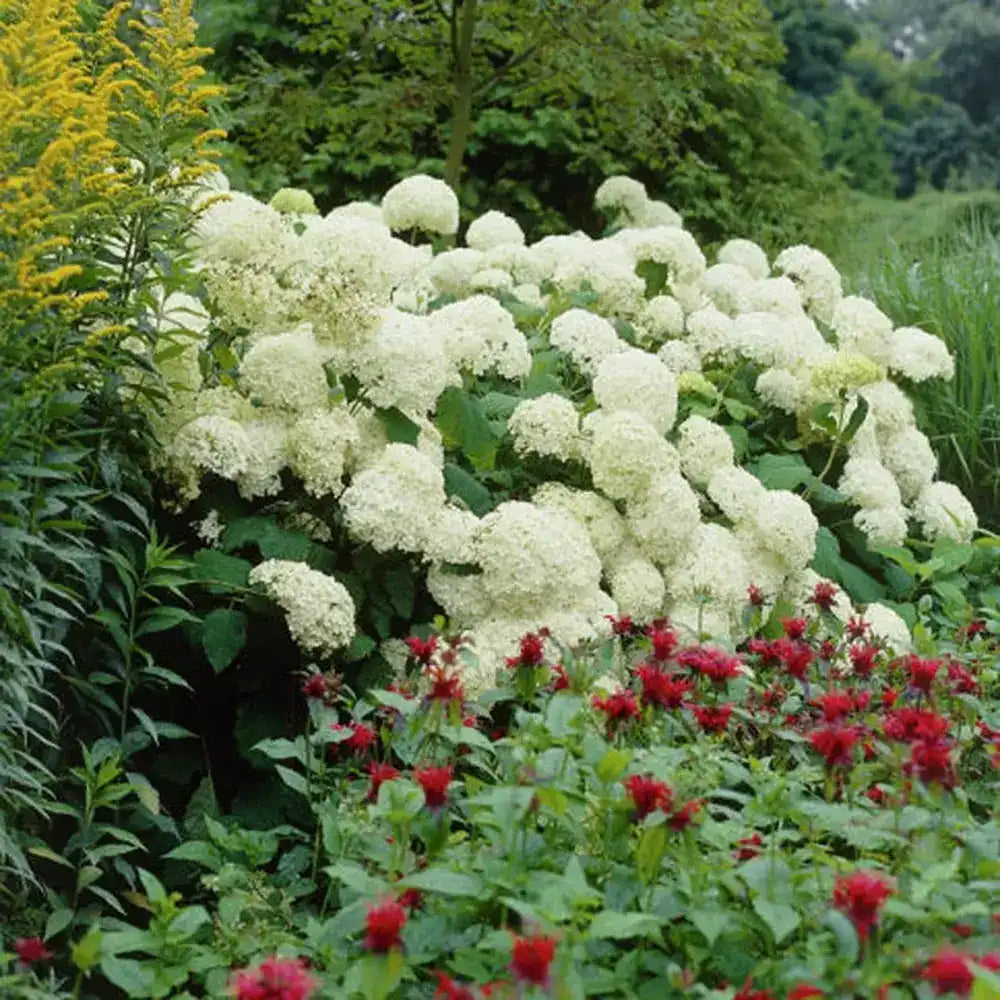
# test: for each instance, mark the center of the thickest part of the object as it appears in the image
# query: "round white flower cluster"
(339, 330)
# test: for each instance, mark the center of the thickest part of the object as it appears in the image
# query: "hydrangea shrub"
(548, 434)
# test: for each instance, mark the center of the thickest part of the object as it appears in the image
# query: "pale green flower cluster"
(671, 524)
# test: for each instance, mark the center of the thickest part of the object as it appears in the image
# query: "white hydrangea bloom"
(267, 456)
(704, 448)
(494, 229)
(665, 519)
(918, 355)
(882, 525)
(366, 210)
(676, 249)
(479, 335)
(286, 372)
(699, 621)
(887, 626)
(943, 512)
(317, 447)
(211, 528)
(462, 595)
(620, 194)
(862, 328)
(679, 356)
(212, 443)
(713, 567)
(779, 341)
(782, 389)
(784, 523)
(889, 406)
(736, 492)
(655, 213)
(430, 443)
(637, 587)
(451, 536)
(776, 295)
(866, 482)
(452, 272)
(238, 229)
(661, 317)
(491, 279)
(546, 425)
(293, 201)
(690, 296)
(178, 363)
(530, 294)
(179, 311)
(534, 557)
(746, 254)
(730, 288)
(392, 504)
(404, 364)
(908, 455)
(625, 452)
(597, 514)
(711, 332)
(637, 381)
(818, 280)
(607, 269)
(586, 338)
(372, 440)
(421, 202)
(538, 264)
(318, 609)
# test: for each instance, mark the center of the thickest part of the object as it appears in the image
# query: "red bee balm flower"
(795, 628)
(755, 595)
(684, 816)
(422, 649)
(274, 979)
(749, 847)
(922, 673)
(531, 957)
(824, 595)
(434, 781)
(448, 989)
(861, 895)
(31, 950)
(664, 642)
(648, 794)
(618, 707)
(380, 774)
(445, 686)
(661, 688)
(949, 971)
(531, 654)
(314, 686)
(560, 679)
(712, 719)
(835, 705)
(863, 659)
(836, 744)
(383, 925)
(802, 991)
(749, 993)
(932, 764)
(715, 664)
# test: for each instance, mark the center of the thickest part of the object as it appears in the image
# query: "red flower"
(448, 989)
(422, 649)
(712, 719)
(362, 737)
(961, 930)
(824, 595)
(961, 680)
(827, 649)
(749, 993)
(749, 847)
(768, 651)
(315, 687)
(380, 774)
(863, 659)
(835, 705)
(618, 707)
(497, 986)
(434, 781)
(836, 744)
(931, 763)
(560, 679)
(622, 625)
(664, 642)
(861, 895)
(922, 673)
(802, 991)
(755, 595)
(661, 688)
(912, 725)
(648, 794)
(31, 950)
(876, 795)
(383, 924)
(796, 657)
(715, 664)
(532, 651)
(949, 971)
(531, 957)
(795, 628)
(445, 686)
(412, 899)
(274, 979)
(684, 816)
(857, 628)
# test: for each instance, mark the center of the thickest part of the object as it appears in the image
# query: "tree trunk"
(461, 108)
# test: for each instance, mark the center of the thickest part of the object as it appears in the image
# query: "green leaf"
(649, 853)
(847, 937)
(985, 986)
(782, 472)
(281, 749)
(199, 851)
(224, 631)
(86, 952)
(380, 974)
(400, 586)
(361, 646)
(468, 489)
(615, 925)
(710, 923)
(463, 425)
(398, 427)
(854, 424)
(612, 765)
(132, 977)
(779, 917)
(861, 586)
(445, 882)
(216, 567)
(57, 922)
(163, 619)
(297, 782)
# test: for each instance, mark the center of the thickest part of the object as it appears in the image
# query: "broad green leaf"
(779, 917)
(229, 571)
(468, 489)
(398, 427)
(612, 924)
(224, 631)
(199, 851)
(445, 882)
(463, 425)
(711, 923)
(612, 765)
(132, 977)
(782, 472)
